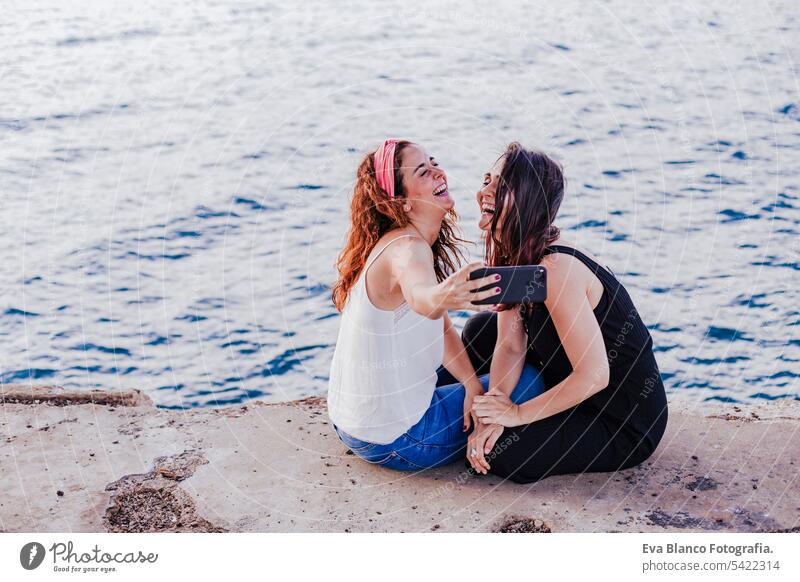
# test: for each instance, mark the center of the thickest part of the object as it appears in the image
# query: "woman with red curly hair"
(401, 384)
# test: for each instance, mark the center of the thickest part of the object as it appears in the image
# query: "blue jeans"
(437, 439)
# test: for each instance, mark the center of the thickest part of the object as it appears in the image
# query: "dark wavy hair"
(527, 200)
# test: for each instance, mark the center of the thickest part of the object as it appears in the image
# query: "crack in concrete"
(154, 501)
(735, 519)
(518, 524)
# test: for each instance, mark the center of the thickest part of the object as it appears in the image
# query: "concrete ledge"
(59, 396)
(110, 461)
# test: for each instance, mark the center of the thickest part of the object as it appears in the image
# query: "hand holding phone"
(519, 284)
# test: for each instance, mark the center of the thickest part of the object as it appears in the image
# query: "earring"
(407, 208)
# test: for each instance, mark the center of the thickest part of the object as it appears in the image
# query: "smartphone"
(520, 284)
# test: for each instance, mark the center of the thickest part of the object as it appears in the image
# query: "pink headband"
(384, 166)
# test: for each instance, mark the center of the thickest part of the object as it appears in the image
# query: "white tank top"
(383, 372)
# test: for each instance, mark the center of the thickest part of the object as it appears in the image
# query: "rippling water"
(175, 177)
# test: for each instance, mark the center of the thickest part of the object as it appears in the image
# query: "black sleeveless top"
(634, 399)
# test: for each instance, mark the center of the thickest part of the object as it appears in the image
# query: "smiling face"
(519, 201)
(487, 196)
(424, 182)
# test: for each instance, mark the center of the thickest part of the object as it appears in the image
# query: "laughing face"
(486, 196)
(424, 182)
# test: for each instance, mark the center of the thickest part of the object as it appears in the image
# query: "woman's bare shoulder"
(570, 243)
(564, 269)
(567, 273)
(410, 245)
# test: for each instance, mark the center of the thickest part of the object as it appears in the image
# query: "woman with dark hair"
(401, 384)
(604, 408)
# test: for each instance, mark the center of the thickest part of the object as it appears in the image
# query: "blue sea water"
(174, 177)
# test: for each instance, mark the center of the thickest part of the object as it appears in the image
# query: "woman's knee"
(508, 466)
(530, 385)
(479, 337)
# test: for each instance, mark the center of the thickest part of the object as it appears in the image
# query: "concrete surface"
(110, 461)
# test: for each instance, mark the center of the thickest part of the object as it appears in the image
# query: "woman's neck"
(427, 229)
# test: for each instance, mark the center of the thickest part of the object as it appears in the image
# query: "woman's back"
(383, 372)
(634, 380)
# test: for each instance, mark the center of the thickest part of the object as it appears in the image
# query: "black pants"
(578, 440)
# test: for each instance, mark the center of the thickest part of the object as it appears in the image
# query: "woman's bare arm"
(508, 357)
(412, 268)
(582, 340)
(580, 335)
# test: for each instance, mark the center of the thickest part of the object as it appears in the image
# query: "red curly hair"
(373, 214)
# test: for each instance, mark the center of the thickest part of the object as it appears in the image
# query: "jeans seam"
(425, 449)
(406, 460)
(433, 446)
(366, 446)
